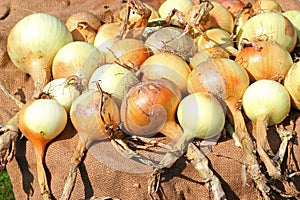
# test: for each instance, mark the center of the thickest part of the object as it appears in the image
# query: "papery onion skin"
(167, 6)
(233, 6)
(42, 120)
(113, 79)
(129, 52)
(271, 26)
(201, 115)
(148, 106)
(220, 76)
(292, 84)
(267, 97)
(169, 66)
(294, 17)
(266, 5)
(32, 47)
(265, 60)
(83, 26)
(77, 58)
(173, 40)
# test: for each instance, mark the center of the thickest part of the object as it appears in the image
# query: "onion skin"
(270, 25)
(32, 47)
(77, 58)
(233, 6)
(292, 84)
(83, 26)
(266, 61)
(168, 66)
(129, 52)
(148, 106)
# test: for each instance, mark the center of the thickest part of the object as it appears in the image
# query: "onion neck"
(172, 130)
(261, 139)
(40, 149)
(39, 70)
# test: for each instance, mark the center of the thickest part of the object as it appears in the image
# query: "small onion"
(40, 121)
(172, 39)
(233, 6)
(106, 35)
(77, 58)
(113, 79)
(64, 91)
(129, 52)
(149, 107)
(265, 60)
(83, 26)
(266, 103)
(169, 66)
(292, 84)
(271, 25)
(32, 47)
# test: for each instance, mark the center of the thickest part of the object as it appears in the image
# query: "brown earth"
(180, 181)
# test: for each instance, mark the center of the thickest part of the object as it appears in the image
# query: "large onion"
(269, 25)
(32, 47)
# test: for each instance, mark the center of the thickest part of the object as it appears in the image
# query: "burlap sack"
(180, 181)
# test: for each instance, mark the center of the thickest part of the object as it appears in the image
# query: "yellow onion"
(168, 66)
(269, 26)
(77, 58)
(294, 17)
(149, 107)
(216, 37)
(260, 6)
(64, 91)
(266, 103)
(83, 26)
(106, 35)
(114, 80)
(173, 40)
(167, 6)
(292, 84)
(129, 52)
(40, 121)
(31, 45)
(265, 60)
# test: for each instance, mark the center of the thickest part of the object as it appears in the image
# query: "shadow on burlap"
(180, 181)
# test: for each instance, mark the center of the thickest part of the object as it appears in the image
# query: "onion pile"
(184, 79)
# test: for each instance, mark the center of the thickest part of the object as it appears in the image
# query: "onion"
(129, 52)
(270, 25)
(265, 60)
(106, 35)
(294, 17)
(169, 66)
(77, 58)
(64, 91)
(260, 6)
(32, 47)
(216, 37)
(167, 6)
(83, 26)
(266, 103)
(114, 80)
(149, 107)
(227, 81)
(292, 84)
(174, 40)
(41, 121)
